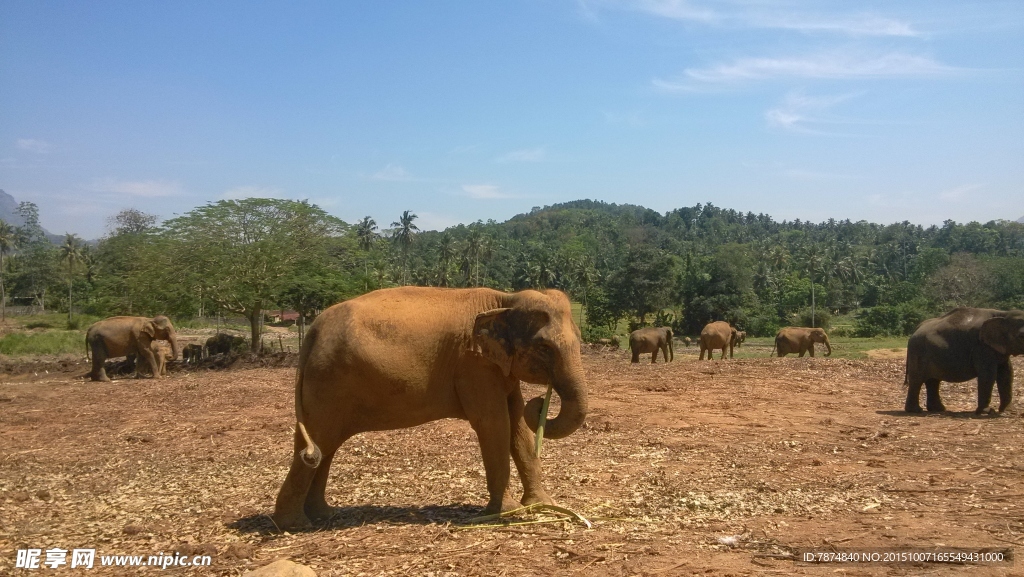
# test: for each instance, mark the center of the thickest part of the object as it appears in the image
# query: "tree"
(8, 242)
(403, 233)
(367, 237)
(132, 221)
(71, 253)
(643, 284)
(243, 250)
(38, 268)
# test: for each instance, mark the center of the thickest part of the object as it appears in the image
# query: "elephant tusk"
(543, 421)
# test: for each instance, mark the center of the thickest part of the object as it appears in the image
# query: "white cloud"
(802, 113)
(834, 65)
(142, 188)
(761, 14)
(240, 192)
(958, 193)
(523, 155)
(435, 221)
(34, 145)
(392, 173)
(484, 191)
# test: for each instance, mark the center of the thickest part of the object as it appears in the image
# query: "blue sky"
(459, 111)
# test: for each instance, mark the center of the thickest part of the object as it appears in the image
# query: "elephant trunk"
(828, 346)
(572, 391)
(173, 338)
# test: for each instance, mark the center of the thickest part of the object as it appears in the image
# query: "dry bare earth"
(778, 453)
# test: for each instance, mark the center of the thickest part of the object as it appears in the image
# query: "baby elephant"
(687, 341)
(162, 353)
(192, 353)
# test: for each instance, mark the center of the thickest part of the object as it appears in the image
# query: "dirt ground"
(686, 468)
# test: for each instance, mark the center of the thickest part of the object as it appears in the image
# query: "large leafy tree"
(242, 251)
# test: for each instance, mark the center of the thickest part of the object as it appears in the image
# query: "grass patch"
(842, 347)
(43, 343)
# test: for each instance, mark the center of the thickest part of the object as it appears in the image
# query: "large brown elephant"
(402, 357)
(799, 340)
(963, 344)
(651, 340)
(717, 335)
(127, 336)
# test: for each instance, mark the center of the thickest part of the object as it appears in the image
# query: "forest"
(623, 263)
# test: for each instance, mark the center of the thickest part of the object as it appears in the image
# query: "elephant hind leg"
(636, 356)
(289, 510)
(315, 506)
(99, 359)
(913, 404)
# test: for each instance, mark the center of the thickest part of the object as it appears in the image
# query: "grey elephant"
(963, 344)
(651, 340)
(799, 340)
(128, 336)
(717, 335)
(397, 358)
(740, 337)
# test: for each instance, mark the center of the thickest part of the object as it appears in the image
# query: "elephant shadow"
(947, 414)
(359, 515)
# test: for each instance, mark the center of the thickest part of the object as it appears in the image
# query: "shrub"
(890, 320)
(591, 333)
(822, 318)
(763, 325)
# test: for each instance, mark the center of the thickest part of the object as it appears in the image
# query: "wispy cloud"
(836, 65)
(802, 113)
(240, 192)
(392, 173)
(34, 145)
(141, 188)
(958, 193)
(523, 155)
(762, 14)
(484, 191)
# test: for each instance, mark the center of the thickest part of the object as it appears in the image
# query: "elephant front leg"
(1004, 382)
(149, 358)
(524, 455)
(482, 395)
(933, 402)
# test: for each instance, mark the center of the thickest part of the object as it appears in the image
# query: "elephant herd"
(152, 340)
(401, 357)
(720, 335)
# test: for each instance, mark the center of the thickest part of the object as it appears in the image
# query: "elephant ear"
(994, 333)
(149, 329)
(492, 338)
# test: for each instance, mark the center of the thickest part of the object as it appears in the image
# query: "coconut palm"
(403, 233)
(445, 254)
(8, 242)
(71, 252)
(367, 237)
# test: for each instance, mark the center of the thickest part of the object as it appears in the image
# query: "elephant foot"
(985, 411)
(291, 522)
(506, 504)
(320, 512)
(913, 409)
(940, 408)
(537, 497)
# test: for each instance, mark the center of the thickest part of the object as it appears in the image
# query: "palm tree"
(365, 233)
(8, 241)
(403, 233)
(445, 254)
(71, 252)
(474, 246)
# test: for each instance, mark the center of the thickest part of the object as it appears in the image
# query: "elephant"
(687, 341)
(963, 344)
(740, 337)
(128, 336)
(162, 353)
(717, 335)
(400, 357)
(651, 340)
(799, 340)
(223, 343)
(192, 353)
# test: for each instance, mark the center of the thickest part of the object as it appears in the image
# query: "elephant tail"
(311, 455)
(87, 357)
(773, 348)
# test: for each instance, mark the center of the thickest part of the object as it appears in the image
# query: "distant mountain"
(9, 214)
